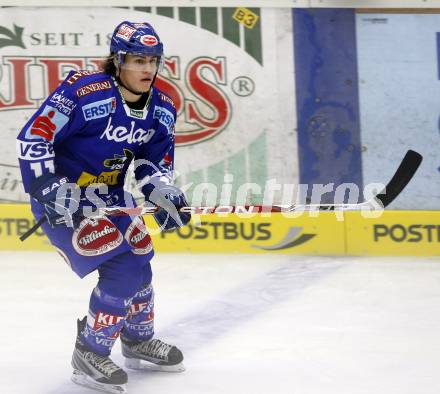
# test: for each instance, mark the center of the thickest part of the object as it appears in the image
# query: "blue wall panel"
(327, 97)
(438, 54)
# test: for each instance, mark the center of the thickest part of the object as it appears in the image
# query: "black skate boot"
(95, 371)
(153, 355)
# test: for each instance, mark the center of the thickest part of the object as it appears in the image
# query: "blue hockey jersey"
(86, 131)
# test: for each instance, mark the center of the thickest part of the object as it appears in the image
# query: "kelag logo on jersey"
(165, 117)
(132, 135)
(99, 109)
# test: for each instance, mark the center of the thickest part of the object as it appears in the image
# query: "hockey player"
(86, 133)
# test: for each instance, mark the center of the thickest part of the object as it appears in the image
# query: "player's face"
(137, 72)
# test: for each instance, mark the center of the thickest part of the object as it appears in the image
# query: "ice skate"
(95, 371)
(153, 355)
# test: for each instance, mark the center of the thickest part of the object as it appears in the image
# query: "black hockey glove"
(169, 199)
(62, 210)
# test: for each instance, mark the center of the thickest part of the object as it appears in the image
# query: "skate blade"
(86, 381)
(135, 363)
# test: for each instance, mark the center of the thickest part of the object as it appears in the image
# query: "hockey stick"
(34, 228)
(398, 182)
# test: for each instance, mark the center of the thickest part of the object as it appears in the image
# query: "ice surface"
(246, 324)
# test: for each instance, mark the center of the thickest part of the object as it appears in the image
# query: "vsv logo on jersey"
(99, 109)
(34, 150)
(121, 133)
(119, 161)
(47, 124)
(165, 117)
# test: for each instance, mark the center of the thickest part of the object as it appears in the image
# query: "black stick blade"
(401, 178)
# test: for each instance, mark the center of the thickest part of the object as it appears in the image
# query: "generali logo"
(203, 111)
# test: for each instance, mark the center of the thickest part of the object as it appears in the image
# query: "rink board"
(209, 233)
(395, 233)
(413, 233)
(277, 233)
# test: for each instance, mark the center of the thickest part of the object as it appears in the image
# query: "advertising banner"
(234, 98)
(322, 235)
(395, 233)
(219, 233)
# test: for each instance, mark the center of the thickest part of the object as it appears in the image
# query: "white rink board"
(399, 89)
(246, 324)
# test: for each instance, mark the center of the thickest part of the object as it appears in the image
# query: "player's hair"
(109, 67)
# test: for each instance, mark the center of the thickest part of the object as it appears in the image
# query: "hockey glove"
(61, 210)
(169, 199)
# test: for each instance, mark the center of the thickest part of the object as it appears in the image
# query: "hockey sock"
(120, 280)
(104, 321)
(139, 325)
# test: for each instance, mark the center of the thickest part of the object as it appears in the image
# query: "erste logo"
(165, 117)
(99, 109)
